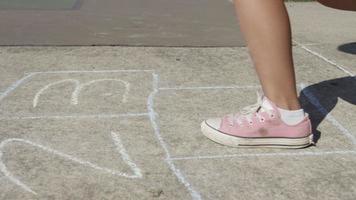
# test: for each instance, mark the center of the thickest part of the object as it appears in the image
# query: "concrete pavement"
(123, 122)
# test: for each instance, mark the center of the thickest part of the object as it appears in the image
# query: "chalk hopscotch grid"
(115, 137)
(152, 115)
(302, 86)
(137, 173)
(309, 95)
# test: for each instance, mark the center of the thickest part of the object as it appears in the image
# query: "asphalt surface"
(119, 22)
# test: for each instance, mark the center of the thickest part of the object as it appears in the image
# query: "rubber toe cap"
(214, 123)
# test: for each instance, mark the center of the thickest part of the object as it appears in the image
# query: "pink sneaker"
(258, 126)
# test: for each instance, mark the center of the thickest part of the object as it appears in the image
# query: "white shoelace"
(249, 112)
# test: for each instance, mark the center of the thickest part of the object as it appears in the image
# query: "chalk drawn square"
(82, 159)
(182, 111)
(80, 93)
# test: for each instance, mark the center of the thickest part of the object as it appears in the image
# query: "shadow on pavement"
(348, 48)
(319, 99)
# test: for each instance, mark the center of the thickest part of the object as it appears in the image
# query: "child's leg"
(265, 26)
(276, 120)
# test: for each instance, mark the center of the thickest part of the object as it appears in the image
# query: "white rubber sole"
(272, 142)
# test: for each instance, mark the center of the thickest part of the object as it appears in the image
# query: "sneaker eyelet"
(262, 120)
(272, 116)
(250, 123)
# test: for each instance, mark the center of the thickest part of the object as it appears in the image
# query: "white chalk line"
(211, 87)
(340, 67)
(327, 115)
(119, 147)
(152, 114)
(304, 153)
(125, 156)
(30, 74)
(14, 86)
(221, 87)
(99, 116)
(91, 71)
(308, 44)
(46, 87)
(81, 86)
(78, 88)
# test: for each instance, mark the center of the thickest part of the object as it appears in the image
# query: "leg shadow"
(348, 48)
(319, 99)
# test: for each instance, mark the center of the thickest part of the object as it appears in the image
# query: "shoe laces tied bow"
(249, 112)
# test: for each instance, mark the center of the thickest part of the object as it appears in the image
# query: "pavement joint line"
(340, 67)
(153, 119)
(327, 115)
(91, 71)
(100, 116)
(303, 153)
